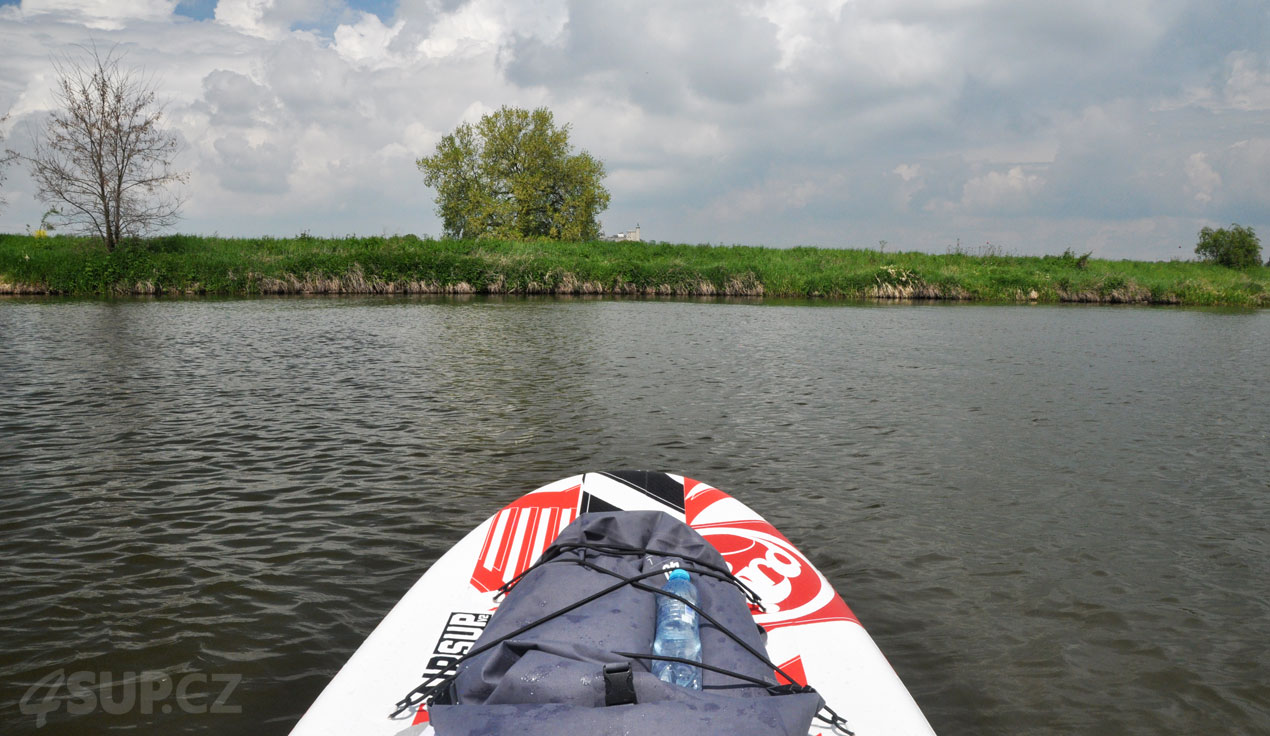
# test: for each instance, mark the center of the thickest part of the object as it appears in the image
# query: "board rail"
(813, 636)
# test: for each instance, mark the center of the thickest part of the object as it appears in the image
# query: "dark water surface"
(1053, 520)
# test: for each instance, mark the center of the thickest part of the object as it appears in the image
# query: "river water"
(1053, 520)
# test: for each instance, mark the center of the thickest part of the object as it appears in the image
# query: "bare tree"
(103, 162)
(5, 158)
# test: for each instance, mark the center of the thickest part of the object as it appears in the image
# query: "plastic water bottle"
(678, 633)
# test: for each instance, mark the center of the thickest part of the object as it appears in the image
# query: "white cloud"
(108, 15)
(271, 19)
(248, 16)
(775, 196)
(909, 172)
(481, 26)
(1242, 83)
(1248, 81)
(472, 31)
(1201, 178)
(234, 99)
(261, 167)
(367, 42)
(913, 180)
(1245, 177)
(418, 140)
(1001, 191)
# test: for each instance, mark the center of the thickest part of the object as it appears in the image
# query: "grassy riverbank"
(186, 264)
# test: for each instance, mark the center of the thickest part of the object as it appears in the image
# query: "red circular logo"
(788, 585)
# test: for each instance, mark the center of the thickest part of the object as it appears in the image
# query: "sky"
(1028, 127)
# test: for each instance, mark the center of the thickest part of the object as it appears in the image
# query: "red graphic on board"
(520, 532)
(421, 716)
(792, 590)
(698, 497)
(794, 668)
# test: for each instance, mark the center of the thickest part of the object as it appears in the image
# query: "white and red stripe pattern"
(520, 533)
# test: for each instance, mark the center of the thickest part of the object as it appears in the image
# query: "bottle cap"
(679, 574)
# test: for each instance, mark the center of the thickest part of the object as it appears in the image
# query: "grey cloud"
(233, 99)
(1242, 191)
(661, 55)
(426, 9)
(311, 81)
(261, 169)
(1204, 34)
(1102, 167)
(1079, 78)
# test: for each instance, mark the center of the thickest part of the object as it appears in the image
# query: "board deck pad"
(812, 634)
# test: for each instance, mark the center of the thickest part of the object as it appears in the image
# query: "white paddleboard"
(812, 634)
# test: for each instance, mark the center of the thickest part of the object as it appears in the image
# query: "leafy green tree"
(513, 175)
(1237, 247)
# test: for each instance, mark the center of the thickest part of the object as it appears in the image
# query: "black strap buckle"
(447, 695)
(619, 684)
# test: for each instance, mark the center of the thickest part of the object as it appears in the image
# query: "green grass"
(188, 264)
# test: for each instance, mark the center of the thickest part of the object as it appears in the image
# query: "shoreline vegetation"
(405, 264)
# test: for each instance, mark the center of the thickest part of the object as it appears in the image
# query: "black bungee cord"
(430, 690)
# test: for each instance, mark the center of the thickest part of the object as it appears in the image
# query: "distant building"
(629, 235)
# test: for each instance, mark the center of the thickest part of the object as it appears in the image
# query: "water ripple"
(1052, 520)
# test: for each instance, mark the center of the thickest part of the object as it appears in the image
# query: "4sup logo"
(147, 693)
(460, 633)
